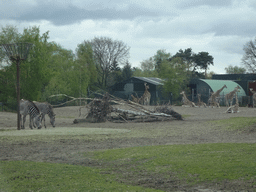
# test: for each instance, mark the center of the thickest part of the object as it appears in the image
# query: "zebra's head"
(38, 121)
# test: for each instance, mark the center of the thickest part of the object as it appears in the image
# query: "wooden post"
(18, 93)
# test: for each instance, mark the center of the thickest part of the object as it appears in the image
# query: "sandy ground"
(67, 141)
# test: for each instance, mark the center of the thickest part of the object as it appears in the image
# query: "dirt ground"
(197, 127)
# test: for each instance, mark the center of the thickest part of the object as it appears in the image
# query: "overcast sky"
(220, 27)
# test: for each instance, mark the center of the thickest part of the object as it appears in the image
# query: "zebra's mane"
(34, 105)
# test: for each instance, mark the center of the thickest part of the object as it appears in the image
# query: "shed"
(135, 86)
(206, 86)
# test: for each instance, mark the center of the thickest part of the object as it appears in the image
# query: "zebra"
(46, 108)
(28, 107)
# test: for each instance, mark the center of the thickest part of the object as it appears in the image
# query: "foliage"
(235, 70)
(35, 67)
(147, 69)
(127, 71)
(49, 69)
(160, 56)
(37, 176)
(175, 74)
(86, 65)
(147, 65)
(249, 58)
(195, 62)
(202, 60)
(191, 163)
(209, 75)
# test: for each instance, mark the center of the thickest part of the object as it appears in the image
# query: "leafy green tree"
(202, 61)
(186, 56)
(235, 70)
(65, 78)
(49, 69)
(87, 64)
(209, 75)
(127, 71)
(175, 74)
(160, 56)
(137, 72)
(195, 62)
(33, 72)
(148, 68)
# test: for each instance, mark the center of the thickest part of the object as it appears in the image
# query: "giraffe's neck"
(185, 96)
(220, 90)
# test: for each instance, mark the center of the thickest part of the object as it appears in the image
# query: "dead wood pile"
(101, 110)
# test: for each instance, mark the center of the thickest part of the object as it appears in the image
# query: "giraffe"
(185, 100)
(200, 103)
(214, 97)
(233, 108)
(230, 96)
(253, 97)
(146, 96)
(135, 99)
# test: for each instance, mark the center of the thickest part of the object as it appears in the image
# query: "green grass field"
(190, 164)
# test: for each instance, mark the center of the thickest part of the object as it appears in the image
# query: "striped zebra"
(46, 108)
(29, 108)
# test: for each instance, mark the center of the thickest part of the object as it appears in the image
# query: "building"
(206, 86)
(246, 81)
(135, 86)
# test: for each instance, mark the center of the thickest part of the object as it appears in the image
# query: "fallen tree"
(101, 110)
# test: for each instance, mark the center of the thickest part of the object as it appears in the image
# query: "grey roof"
(152, 80)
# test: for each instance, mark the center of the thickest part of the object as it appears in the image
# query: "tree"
(203, 60)
(175, 74)
(107, 52)
(195, 62)
(160, 56)
(235, 70)
(249, 58)
(34, 73)
(209, 75)
(86, 63)
(127, 71)
(186, 56)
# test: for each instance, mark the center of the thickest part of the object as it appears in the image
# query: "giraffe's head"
(225, 86)
(182, 92)
(146, 86)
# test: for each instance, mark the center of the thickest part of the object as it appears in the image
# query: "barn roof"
(152, 80)
(217, 84)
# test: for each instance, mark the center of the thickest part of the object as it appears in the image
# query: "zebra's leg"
(30, 123)
(21, 122)
(33, 123)
(43, 118)
(24, 120)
